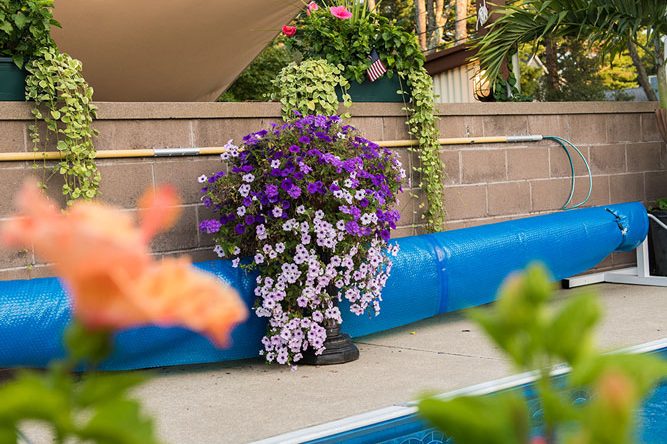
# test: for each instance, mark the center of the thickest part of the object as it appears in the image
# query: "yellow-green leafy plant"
(310, 87)
(536, 336)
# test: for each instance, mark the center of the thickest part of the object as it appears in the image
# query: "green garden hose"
(564, 144)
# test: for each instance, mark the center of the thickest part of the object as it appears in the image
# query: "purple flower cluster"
(311, 202)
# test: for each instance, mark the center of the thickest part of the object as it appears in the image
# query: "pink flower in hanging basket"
(289, 31)
(340, 12)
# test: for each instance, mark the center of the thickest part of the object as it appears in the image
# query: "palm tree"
(612, 24)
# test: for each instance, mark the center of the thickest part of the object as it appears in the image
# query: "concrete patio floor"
(244, 401)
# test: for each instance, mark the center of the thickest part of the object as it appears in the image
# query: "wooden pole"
(214, 150)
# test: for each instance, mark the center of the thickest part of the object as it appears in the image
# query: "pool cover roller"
(433, 274)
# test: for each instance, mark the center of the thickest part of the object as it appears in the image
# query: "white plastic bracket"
(639, 275)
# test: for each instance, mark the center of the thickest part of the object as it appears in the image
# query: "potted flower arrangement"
(309, 204)
(382, 62)
(328, 32)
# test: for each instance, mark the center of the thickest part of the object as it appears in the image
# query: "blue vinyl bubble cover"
(432, 274)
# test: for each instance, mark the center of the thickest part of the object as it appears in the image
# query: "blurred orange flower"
(104, 260)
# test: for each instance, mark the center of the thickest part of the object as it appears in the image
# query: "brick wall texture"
(485, 183)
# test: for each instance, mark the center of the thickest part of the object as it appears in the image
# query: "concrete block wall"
(485, 183)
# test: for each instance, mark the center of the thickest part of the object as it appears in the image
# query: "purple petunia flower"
(286, 184)
(294, 149)
(239, 229)
(210, 226)
(323, 136)
(304, 139)
(315, 187)
(352, 227)
(271, 191)
(294, 192)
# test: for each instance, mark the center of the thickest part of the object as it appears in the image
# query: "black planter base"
(339, 349)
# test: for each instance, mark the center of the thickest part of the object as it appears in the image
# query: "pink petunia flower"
(289, 31)
(340, 12)
(312, 6)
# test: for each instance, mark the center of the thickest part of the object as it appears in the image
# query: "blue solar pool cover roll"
(432, 274)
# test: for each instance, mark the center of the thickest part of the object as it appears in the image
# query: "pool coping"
(404, 409)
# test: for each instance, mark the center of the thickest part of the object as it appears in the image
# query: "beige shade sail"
(167, 50)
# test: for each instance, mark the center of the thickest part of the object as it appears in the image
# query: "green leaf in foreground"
(500, 419)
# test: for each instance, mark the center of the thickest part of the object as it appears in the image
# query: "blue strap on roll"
(433, 274)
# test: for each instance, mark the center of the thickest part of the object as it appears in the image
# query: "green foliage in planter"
(661, 204)
(348, 43)
(63, 100)
(25, 27)
(309, 87)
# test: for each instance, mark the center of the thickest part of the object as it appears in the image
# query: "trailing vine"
(63, 100)
(309, 87)
(422, 124)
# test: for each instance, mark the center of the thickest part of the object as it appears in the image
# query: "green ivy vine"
(310, 87)
(422, 125)
(63, 100)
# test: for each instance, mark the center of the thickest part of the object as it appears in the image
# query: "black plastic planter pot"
(12, 81)
(383, 89)
(657, 241)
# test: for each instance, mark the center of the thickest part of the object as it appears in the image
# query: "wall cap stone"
(241, 110)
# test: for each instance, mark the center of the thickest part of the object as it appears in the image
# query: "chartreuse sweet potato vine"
(347, 44)
(63, 100)
(310, 88)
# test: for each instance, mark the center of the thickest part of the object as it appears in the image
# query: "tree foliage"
(610, 24)
(577, 77)
(255, 82)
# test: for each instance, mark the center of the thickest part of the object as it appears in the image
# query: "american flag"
(377, 69)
